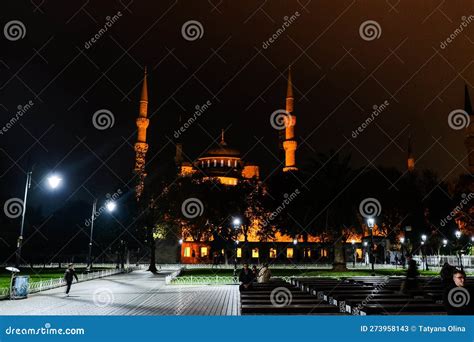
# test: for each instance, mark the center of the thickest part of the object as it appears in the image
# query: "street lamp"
(53, 182)
(110, 206)
(236, 222)
(457, 233)
(371, 224)
(402, 242)
(423, 252)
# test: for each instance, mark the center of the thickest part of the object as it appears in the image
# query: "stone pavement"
(136, 293)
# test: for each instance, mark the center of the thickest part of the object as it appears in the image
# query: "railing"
(38, 286)
(169, 278)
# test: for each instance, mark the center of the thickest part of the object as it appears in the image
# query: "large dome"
(223, 150)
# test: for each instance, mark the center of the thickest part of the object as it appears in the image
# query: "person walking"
(69, 275)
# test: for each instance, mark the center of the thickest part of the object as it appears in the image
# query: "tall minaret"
(469, 141)
(290, 144)
(411, 156)
(141, 147)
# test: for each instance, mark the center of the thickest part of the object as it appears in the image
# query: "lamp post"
(423, 252)
(110, 206)
(236, 223)
(371, 224)
(402, 257)
(458, 237)
(53, 183)
(365, 252)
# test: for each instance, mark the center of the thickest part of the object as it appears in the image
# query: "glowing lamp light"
(458, 234)
(365, 243)
(423, 237)
(236, 221)
(353, 242)
(111, 206)
(402, 240)
(54, 181)
(370, 222)
(180, 241)
(445, 242)
(295, 241)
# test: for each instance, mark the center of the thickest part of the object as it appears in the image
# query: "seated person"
(245, 278)
(457, 298)
(264, 275)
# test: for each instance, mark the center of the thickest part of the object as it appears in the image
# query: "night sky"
(338, 77)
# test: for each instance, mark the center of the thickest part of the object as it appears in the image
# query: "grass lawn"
(303, 272)
(37, 274)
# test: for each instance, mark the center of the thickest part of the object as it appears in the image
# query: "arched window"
(208, 163)
(215, 163)
(235, 163)
(222, 162)
(228, 163)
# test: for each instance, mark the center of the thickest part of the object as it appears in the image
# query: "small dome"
(223, 150)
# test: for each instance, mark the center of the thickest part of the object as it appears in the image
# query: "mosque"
(226, 164)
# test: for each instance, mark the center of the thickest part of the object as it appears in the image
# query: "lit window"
(307, 252)
(222, 162)
(273, 253)
(255, 253)
(235, 163)
(289, 253)
(204, 252)
(208, 163)
(239, 252)
(324, 252)
(187, 252)
(215, 163)
(228, 163)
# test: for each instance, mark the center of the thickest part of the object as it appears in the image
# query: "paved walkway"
(136, 293)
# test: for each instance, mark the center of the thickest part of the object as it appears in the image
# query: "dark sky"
(338, 78)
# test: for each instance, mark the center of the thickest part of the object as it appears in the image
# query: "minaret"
(141, 147)
(411, 157)
(290, 144)
(469, 141)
